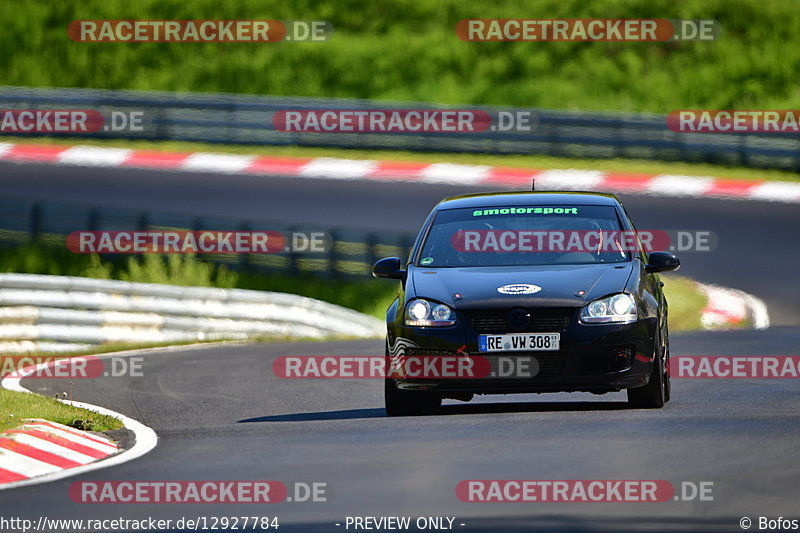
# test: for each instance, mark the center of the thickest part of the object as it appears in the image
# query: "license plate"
(519, 342)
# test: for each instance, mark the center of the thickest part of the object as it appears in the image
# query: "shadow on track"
(465, 409)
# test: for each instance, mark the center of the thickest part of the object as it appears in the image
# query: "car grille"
(428, 352)
(542, 319)
(550, 363)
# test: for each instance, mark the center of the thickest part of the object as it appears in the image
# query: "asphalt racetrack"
(221, 414)
(757, 241)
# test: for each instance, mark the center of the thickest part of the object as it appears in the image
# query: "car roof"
(497, 199)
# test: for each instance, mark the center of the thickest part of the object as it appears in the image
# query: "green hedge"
(408, 50)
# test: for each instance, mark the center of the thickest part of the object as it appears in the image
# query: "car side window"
(641, 251)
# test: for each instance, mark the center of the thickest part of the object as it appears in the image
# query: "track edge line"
(146, 437)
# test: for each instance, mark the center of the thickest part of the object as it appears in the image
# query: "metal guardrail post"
(36, 221)
(91, 219)
(143, 221)
(332, 254)
(372, 241)
(293, 257)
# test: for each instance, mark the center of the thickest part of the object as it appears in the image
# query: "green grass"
(522, 161)
(685, 301)
(408, 50)
(15, 406)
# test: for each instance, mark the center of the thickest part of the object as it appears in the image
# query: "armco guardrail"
(55, 313)
(244, 119)
(350, 251)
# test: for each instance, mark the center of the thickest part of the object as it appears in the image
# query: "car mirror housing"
(388, 268)
(662, 262)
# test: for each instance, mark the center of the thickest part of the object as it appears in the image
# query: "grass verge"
(409, 50)
(686, 303)
(535, 162)
(16, 406)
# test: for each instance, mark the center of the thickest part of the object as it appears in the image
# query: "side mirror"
(662, 262)
(388, 268)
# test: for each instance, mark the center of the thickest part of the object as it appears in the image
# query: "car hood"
(559, 284)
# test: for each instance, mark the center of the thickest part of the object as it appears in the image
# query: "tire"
(667, 380)
(408, 403)
(655, 394)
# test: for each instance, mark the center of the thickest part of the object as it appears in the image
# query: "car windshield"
(526, 235)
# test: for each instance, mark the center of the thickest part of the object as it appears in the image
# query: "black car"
(546, 292)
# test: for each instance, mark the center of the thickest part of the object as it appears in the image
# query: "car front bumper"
(592, 357)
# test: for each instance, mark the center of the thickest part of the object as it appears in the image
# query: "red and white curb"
(35, 470)
(40, 447)
(443, 173)
(730, 308)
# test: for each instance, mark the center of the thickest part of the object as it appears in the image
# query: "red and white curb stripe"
(40, 447)
(36, 470)
(729, 308)
(355, 169)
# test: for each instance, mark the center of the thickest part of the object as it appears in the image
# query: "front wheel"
(656, 393)
(407, 403)
(667, 383)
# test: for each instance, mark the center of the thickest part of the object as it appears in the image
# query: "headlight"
(425, 313)
(618, 309)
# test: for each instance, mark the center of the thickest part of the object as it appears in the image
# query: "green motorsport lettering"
(526, 211)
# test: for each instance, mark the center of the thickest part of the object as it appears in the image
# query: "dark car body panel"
(559, 284)
(589, 355)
